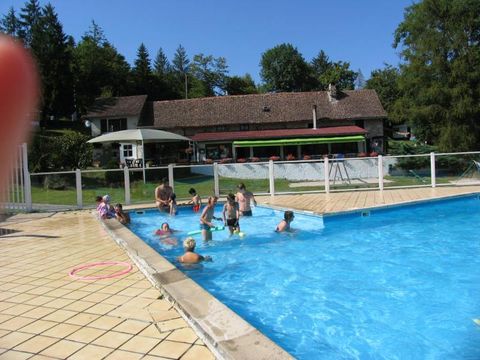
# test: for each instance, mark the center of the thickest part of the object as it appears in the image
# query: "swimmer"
(173, 204)
(196, 200)
(190, 257)
(231, 214)
(207, 217)
(284, 225)
(164, 230)
(243, 197)
(121, 215)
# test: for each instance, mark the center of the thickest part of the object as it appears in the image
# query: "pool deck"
(45, 314)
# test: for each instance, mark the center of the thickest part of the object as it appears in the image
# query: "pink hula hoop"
(74, 271)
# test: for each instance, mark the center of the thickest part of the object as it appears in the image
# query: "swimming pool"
(386, 284)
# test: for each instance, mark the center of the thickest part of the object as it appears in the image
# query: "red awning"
(281, 134)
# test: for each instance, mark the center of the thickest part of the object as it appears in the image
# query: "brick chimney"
(332, 92)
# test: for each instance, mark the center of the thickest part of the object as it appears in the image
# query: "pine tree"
(360, 81)
(52, 51)
(181, 68)
(161, 64)
(29, 17)
(10, 25)
(142, 72)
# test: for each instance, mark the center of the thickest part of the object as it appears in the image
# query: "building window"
(220, 128)
(111, 125)
(244, 127)
(127, 150)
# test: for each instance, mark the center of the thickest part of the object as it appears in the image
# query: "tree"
(385, 83)
(161, 65)
(100, 69)
(142, 72)
(360, 82)
(328, 72)
(284, 69)
(52, 50)
(29, 17)
(440, 77)
(181, 68)
(240, 85)
(9, 24)
(211, 73)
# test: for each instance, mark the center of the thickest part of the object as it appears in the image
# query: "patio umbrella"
(135, 135)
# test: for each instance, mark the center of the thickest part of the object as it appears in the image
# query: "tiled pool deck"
(45, 314)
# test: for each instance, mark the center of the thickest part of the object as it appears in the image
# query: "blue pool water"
(400, 283)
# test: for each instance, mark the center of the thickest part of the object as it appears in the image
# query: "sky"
(357, 31)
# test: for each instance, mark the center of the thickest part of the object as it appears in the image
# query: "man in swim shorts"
(163, 194)
(243, 197)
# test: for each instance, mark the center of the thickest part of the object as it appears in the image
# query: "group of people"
(107, 211)
(235, 207)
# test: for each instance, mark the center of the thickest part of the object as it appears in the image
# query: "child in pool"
(165, 233)
(173, 204)
(207, 217)
(190, 257)
(121, 215)
(231, 214)
(284, 225)
(196, 200)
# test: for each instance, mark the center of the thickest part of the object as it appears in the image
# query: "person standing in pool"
(284, 225)
(196, 200)
(243, 197)
(231, 214)
(207, 217)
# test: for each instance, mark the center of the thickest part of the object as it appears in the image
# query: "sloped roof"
(266, 108)
(116, 107)
(275, 134)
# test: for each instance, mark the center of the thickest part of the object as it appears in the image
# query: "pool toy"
(73, 273)
(216, 228)
(476, 321)
(241, 234)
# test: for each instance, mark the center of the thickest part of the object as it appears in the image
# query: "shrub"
(241, 160)
(274, 158)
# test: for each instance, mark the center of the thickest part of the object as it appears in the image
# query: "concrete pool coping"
(224, 332)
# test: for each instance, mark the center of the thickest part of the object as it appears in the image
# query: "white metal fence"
(77, 189)
(17, 196)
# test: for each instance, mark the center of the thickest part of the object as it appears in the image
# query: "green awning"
(300, 141)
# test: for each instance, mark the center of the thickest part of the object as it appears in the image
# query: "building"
(292, 125)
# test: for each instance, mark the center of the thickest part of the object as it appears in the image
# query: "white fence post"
(271, 177)
(171, 179)
(78, 183)
(326, 174)
(216, 183)
(27, 185)
(126, 180)
(432, 169)
(380, 172)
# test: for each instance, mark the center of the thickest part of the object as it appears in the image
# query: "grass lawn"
(94, 185)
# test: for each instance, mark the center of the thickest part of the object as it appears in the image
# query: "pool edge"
(223, 331)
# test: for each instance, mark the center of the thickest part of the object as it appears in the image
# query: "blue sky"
(357, 31)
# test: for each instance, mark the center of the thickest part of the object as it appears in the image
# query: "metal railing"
(77, 189)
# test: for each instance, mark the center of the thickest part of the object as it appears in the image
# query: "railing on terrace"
(77, 189)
